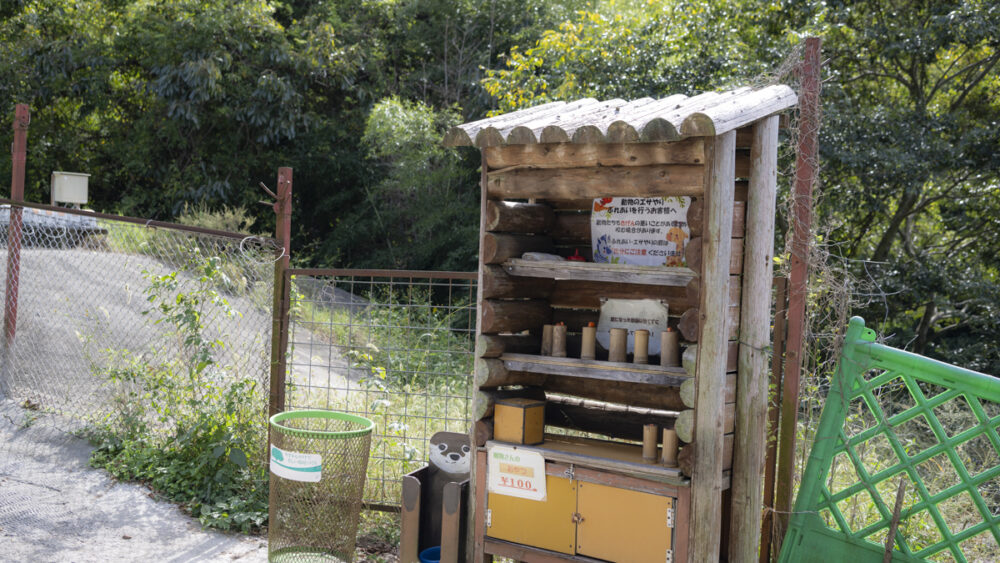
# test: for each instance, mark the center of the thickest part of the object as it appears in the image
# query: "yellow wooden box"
(589, 519)
(519, 421)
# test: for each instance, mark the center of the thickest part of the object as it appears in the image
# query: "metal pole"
(22, 116)
(279, 325)
(805, 176)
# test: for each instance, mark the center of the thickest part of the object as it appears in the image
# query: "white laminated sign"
(643, 231)
(516, 473)
(633, 315)
(296, 466)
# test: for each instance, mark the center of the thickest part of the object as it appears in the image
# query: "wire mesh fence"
(393, 346)
(112, 322)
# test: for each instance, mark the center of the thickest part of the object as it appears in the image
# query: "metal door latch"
(577, 518)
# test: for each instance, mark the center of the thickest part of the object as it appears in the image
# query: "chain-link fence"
(113, 322)
(393, 346)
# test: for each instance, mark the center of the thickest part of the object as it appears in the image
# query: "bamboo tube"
(547, 340)
(641, 350)
(649, 436)
(669, 448)
(670, 350)
(559, 340)
(588, 347)
(619, 345)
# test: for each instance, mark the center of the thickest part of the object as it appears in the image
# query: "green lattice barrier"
(889, 416)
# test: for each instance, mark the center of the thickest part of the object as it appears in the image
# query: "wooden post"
(805, 175)
(706, 479)
(282, 293)
(476, 505)
(755, 337)
(22, 116)
(774, 393)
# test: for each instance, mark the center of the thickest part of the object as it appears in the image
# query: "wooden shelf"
(593, 369)
(618, 457)
(590, 271)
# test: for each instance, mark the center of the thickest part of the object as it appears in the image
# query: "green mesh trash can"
(318, 465)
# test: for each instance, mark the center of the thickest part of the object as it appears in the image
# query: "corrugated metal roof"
(618, 121)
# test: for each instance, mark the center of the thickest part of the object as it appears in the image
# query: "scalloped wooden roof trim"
(617, 121)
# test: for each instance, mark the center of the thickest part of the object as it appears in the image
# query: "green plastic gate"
(889, 416)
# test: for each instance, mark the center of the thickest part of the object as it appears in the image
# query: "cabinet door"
(547, 524)
(622, 525)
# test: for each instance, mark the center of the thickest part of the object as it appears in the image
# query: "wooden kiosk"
(542, 168)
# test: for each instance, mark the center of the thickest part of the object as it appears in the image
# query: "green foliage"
(186, 425)
(232, 219)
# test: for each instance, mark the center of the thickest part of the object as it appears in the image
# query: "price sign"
(516, 473)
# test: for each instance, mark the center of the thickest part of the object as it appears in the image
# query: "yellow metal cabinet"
(547, 524)
(623, 525)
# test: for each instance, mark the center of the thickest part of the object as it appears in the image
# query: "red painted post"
(805, 176)
(282, 294)
(22, 116)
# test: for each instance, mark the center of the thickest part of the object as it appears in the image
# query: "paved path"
(53, 507)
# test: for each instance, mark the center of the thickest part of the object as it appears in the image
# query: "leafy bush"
(186, 426)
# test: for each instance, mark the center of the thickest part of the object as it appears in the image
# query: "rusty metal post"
(22, 116)
(279, 325)
(774, 403)
(805, 176)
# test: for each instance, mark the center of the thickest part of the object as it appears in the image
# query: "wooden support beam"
(514, 316)
(571, 228)
(693, 291)
(512, 217)
(755, 325)
(693, 253)
(498, 284)
(492, 373)
(572, 155)
(498, 248)
(613, 181)
(484, 400)
(493, 345)
(685, 422)
(688, 324)
(706, 478)
(696, 211)
(661, 397)
(688, 389)
(689, 359)
(686, 457)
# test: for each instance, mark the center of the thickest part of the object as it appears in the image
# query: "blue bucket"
(430, 555)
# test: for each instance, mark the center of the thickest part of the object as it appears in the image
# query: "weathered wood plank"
(580, 183)
(490, 372)
(493, 345)
(693, 252)
(592, 369)
(571, 228)
(513, 316)
(686, 457)
(693, 291)
(726, 117)
(513, 217)
(688, 389)
(590, 271)
(484, 400)
(498, 248)
(706, 481)
(684, 426)
(689, 324)
(662, 397)
(689, 359)
(571, 155)
(587, 294)
(696, 212)
(498, 284)
(752, 395)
